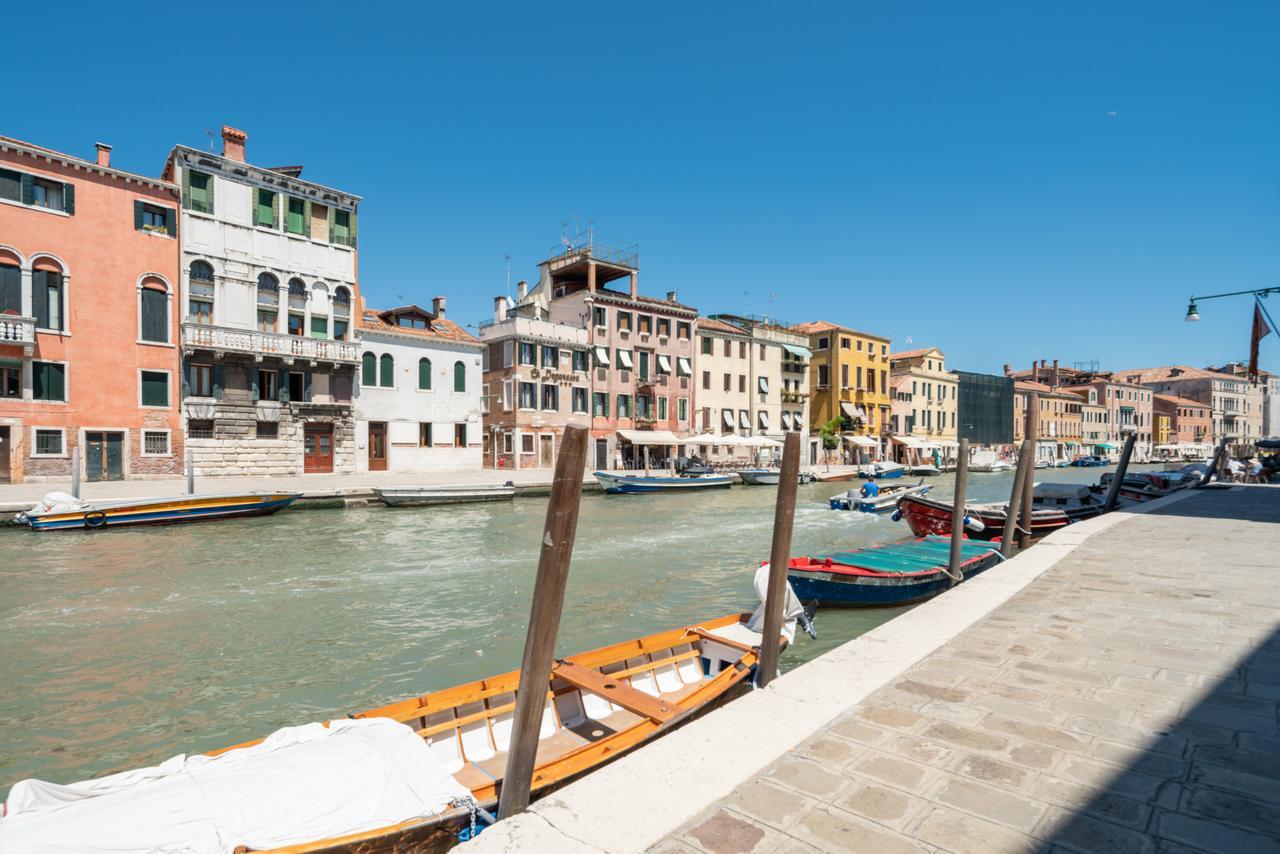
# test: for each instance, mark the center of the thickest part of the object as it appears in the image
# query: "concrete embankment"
(1114, 688)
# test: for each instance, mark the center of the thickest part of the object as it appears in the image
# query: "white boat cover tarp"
(300, 784)
(58, 502)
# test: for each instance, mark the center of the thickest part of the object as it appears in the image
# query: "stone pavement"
(1124, 702)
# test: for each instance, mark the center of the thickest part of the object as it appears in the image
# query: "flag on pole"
(1260, 330)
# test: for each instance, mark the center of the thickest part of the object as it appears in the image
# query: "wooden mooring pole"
(75, 472)
(784, 516)
(1113, 494)
(1026, 459)
(1214, 464)
(544, 621)
(1029, 474)
(957, 512)
(191, 473)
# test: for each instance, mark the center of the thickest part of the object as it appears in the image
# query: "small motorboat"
(427, 496)
(893, 574)
(627, 484)
(1062, 463)
(884, 502)
(1147, 486)
(59, 511)
(769, 477)
(1043, 464)
(409, 776)
(882, 470)
(1054, 506)
(987, 461)
(924, 469)
(1088, 462)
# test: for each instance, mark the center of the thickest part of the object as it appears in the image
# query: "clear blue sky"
(1008, 182)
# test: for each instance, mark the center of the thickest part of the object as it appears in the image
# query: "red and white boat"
(1055, 506)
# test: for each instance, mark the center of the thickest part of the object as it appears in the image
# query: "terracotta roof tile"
(1181, 401)
(910, 354)
(713, 325)
(814, 326)
(441, 328)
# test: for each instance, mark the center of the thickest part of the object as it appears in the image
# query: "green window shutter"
(155, 389)
(186, 379)
(278, 209)
(186, 188)
(306, 217)
(283, 385)
(69, 198)
(351, 230)
(424, 374)
(306, 387)
(137, 215)
(217, 382)
(330, 234)
(368, 370)
(208, 194)
(459, 376)
(28, 190)
(319, 327)
(253, 384)
(155, 309)
(171, 222)
(57, 381)
(387, 371)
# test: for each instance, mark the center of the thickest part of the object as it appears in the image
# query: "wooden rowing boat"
(626, 484)
(427, 496)
(892, 574)
(599, 705)
(986, 521)
(61, 512)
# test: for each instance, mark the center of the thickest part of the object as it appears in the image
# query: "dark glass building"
(984, 409)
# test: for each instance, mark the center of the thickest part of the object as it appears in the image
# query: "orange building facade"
(88, 319)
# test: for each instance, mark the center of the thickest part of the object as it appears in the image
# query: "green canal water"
(123, 648)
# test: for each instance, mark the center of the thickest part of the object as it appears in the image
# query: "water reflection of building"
(419, 402)
(269, 282)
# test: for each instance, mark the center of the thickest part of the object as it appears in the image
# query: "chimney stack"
(1055, 375)
(233, 141)
(437, 306)
(104, 153)
(522, 290)
(635, 284)
(1008, 369)
(499, 309)
(1035, 371)
(671, 296)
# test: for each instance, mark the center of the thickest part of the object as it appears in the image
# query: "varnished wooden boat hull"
(161, 511)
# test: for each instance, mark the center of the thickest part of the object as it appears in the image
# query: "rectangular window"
(550, 398)
(644, 406)
(319, 327)
(199, 429)
(49, 443)
(297, 387)
(600, 404)
(268, 385)
(528, 353)
(728, 382)
(728, 348)
(155, 388)
(528, 396)
(662, 409)
(424, 434)
(844, 343)
(264, 208)
(154, 218)
(46, 194)
(823, 343)
(824, 375)
(48, 381)
(295, 324)
(267, 430)
(46, 298)
(460, 435)
(10, 185)
(624, 406)
(199, 192)
(155, 443)
(706, 380)
(624, 320)
(200, 311)
(742, 349)
(644, 364)
(682, 409)
(343, 234)
(844, 376)
(550, 357)
(266, 320)
(295, 220)
(600, 316)
(581, 361)
(10, 381)
(683, 330)
(580, 400)
(644, 324)
(664, 327)
(706, 346)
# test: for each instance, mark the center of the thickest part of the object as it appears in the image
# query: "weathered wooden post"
(544, 621)
(1029, 474)
(75, 472)
(1113, 494)
(957, 512)
(191, 473)
(1025, 461)
(1213, 466)
(784, 516)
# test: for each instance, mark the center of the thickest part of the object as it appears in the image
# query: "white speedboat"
(924, 469)
(884, 502)
(882, 470)
(769, 477)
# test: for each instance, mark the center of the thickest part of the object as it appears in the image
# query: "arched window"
(368, 370)
(200, 304)
(153, 310)
(46, 293)
(268, 302)
(386, 371)
(297, 306)
(424, 374)
(341, 313)
(459, 376)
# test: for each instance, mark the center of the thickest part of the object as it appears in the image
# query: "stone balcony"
(255, 343)
(15, 330)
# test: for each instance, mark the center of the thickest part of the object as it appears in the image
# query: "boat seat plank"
(615, 691)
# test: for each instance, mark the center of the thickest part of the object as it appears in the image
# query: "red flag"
(1260, 331)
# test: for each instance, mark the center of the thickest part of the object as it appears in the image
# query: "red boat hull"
(926, 517)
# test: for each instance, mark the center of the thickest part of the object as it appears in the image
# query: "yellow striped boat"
(61, 512)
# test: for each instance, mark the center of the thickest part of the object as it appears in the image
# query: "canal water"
(123, 648)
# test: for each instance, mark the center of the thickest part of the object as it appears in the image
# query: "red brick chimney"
(233, 141)
(1054, 376)
(104, 153)
(635, 284)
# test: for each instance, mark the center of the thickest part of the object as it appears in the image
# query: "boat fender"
(897, 516)
(974, 524)
(95, 519)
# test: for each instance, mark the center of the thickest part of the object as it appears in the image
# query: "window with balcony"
(319, 326)
(46, 299)
(197, 192)
(341, 313)
(459, 376)
(48, 381)
(10, 289)
(200, 288)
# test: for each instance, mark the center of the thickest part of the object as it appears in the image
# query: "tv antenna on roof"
(507, 256)
(209, 132)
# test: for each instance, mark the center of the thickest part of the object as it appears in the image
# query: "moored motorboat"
(58, 511)
(924, 469)
(1147, 486)
(1055, 506)
(402, 777)
(625, 484)
(769, 477)
(883, 502)
(892, 574)
(987, 461)
(426, 496)
(882, 470)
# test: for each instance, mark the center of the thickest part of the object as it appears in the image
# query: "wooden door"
(602, 454)
(4, 455)
(546, 451)
(317, 448)
(377, 446)
(104, 456)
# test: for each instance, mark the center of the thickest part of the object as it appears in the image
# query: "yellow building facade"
(849, 379)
